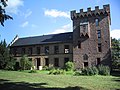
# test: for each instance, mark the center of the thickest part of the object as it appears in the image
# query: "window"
(46, 62)
(47, 50)
(56, 49)
(85, 64)
(66, 48)
(30, 51)
(79, 44)
(98, 61)
(56, 62)
(85, 57)
(99, 47)
(15, 51)
(23, 51)
(38, 50)
(66, 60)
(99, 33)
(96, 22)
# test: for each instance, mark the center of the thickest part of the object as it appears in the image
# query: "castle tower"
(91, 37)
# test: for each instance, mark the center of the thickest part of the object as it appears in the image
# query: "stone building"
(88, 45)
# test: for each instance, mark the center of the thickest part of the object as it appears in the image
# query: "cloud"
(55, 13)
(25, 24)
(65, 28)
(34, 26)
(115, 33)
(28, 13)
(13, 6)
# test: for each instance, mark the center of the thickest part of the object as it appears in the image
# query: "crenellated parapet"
(89, 12)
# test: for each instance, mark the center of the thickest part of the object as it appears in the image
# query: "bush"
(95, 70)
(45, 68)
(33, 71)
(87, 71)
(11, 64)
(78, 73)
(69, 66)
(103, 70)
(25, 64)
(56, 71)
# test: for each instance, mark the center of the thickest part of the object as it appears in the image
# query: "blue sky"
(41, 17)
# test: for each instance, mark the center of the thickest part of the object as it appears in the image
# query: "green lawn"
(16, 80)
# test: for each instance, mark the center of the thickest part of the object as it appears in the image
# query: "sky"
(42, 17)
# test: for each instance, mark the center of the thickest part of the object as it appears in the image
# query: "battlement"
(89, 12)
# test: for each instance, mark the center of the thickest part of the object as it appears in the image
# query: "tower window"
(56, 49)
(99, 47)
(66, 48)
(85, 64)
(96, 22)
(85, 57)
(79, 44)
(99, 33)
(98, 61)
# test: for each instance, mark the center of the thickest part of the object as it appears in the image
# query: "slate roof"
(45, 39)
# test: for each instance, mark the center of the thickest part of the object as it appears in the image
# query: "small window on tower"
(96, 22)
(79, 44)
(98, 61)
(99, 47)
(85, 57)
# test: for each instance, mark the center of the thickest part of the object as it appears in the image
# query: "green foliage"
(11, 64)
(5, 58)
(25, 64)
(57, 71)
(45, 68)
(116, 54)
(103, 70)
(69, 66)
(3, 15)
(33, 71)
(89, 71)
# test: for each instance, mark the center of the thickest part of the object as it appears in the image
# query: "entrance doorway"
(38, 63)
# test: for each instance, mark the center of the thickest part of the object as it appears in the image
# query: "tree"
(116, 53)
(25, 63)
(3, 15)
(4, 54)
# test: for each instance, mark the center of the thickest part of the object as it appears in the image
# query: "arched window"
(96, 22)
(85, 57)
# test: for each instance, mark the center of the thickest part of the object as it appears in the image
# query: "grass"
(17, 80)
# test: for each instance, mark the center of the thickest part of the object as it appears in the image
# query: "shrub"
(25, 63)
(103, 70)
(69, 66)
(56, 71)
(45, 67)
(87, 71)
(78, 73)
(11, 64)
(95, 70)
(33, 71)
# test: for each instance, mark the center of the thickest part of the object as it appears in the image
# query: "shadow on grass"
(8, 85)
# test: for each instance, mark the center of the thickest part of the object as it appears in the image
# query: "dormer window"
(96, 22)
